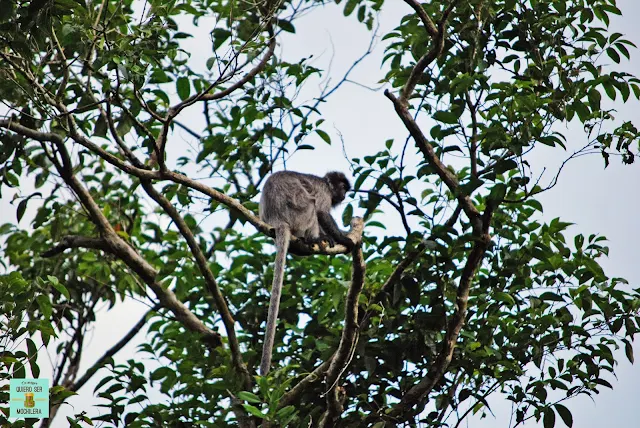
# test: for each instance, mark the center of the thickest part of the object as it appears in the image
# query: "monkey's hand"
(320, 241)
(340, 238)
(329, 239)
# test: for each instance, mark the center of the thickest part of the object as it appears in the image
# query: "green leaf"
(286, 25)
(614, 55)
(33, 357)
(124, 126)
(446, 117)
(349, 7)
(498, 192)
(547, 295)
(45, 306)
(505, 297)
(254, 411)
(628, 350)
(534, 204)
(610, 90)
(347, 215)
(565, 414)
(61, 288)
(504, 166)
(361, 13)
(549, 418)
(249, 396)
(220, 35)
(101, 127)
(11, 179)
(22, 206)
(594, 99)
(279, 133)
(183, 87)
(582, 110)
(324, 136)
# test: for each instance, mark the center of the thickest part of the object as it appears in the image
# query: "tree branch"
(296, 392)
(74, 241)
(118, 246)
(348, 341)
(102, 361)
(438, 36)
(297, 247)
(212, 285)
(429, 26)
(422, 389)
(448, 177)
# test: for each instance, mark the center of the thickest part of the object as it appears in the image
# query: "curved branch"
(112, 351)
(448, 177)
(113, 243)
(418, 392)
(212, 285)
(74, 241)
(438, 36)
(429, 25)
(422, 389)
(297, 247)
(296, 392)
(348, 341)
(206, 96)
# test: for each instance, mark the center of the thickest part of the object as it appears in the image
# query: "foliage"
(477, 297)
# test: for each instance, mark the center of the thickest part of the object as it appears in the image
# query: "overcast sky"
(596, 200)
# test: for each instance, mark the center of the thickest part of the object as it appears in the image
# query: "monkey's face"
(339, 185)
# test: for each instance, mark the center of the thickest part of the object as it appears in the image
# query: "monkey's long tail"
(283, 236)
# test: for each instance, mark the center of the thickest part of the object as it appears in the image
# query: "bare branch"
(206, 96)
(438, 35)
(73, 241)
(102, 361)
(448, 177)
(348, 341)
(429, 26)
(296, 392)
(297, 247)
(250, 75)
(113, 242)
(422, 389)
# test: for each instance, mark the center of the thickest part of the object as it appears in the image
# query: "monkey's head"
(339, 185)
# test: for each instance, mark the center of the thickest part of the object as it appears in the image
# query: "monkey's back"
(292, 199)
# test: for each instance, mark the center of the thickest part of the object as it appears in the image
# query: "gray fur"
(298, 204)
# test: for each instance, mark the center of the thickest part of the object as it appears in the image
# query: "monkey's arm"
(330, 227)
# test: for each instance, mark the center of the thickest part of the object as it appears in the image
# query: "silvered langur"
(298, 204)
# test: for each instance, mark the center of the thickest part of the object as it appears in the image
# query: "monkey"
(298, 204)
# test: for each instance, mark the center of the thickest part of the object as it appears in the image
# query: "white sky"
(597, 200)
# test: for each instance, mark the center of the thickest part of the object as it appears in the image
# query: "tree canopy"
(475, 295)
